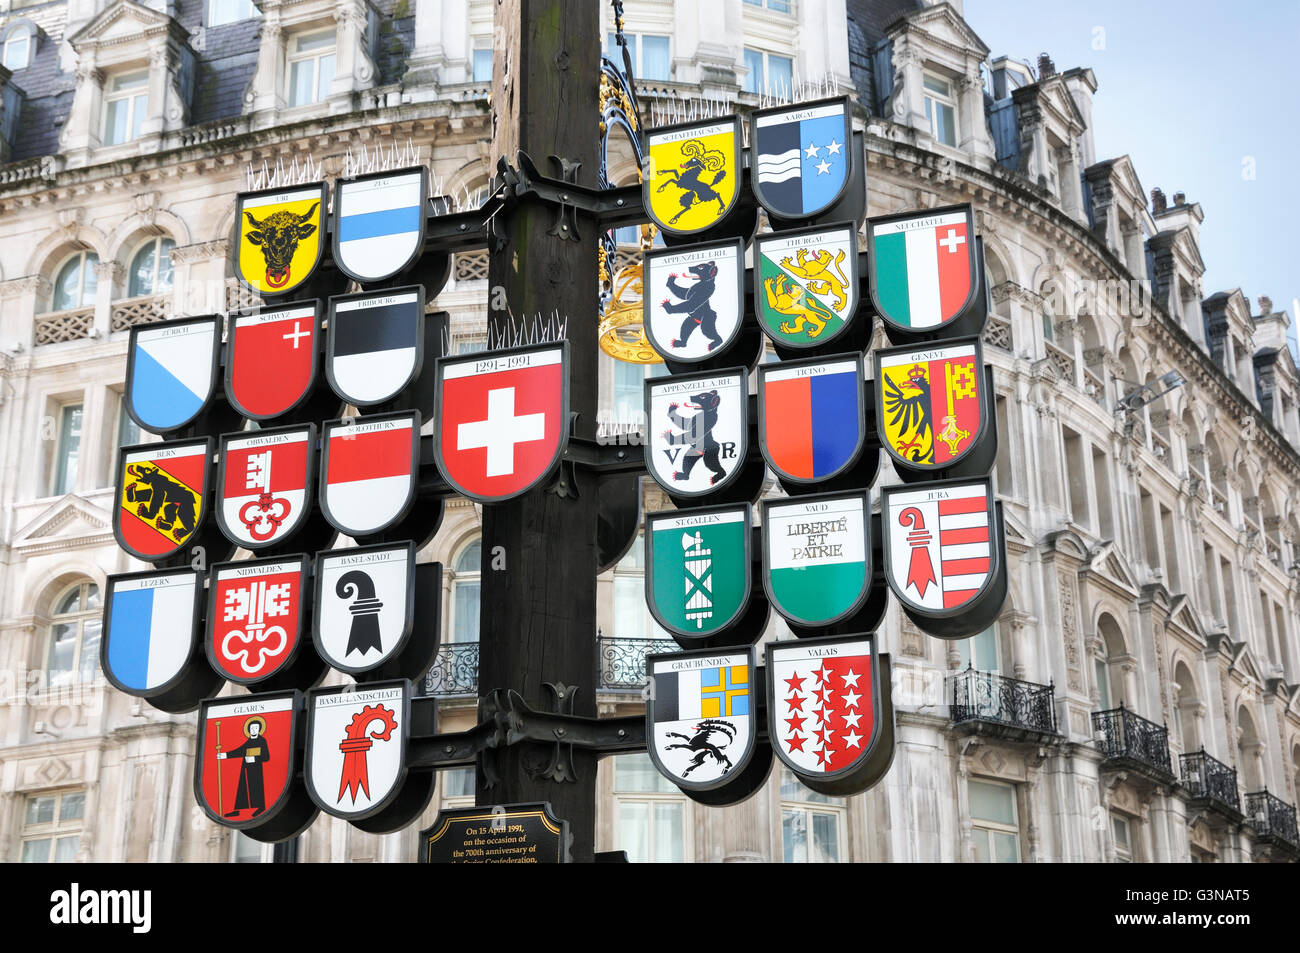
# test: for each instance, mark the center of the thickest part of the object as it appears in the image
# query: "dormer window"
(221, 12)
(311, 67)
(125, 105)
(941, 109)
(18, 47)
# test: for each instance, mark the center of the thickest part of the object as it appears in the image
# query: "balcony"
(1274, 821)
(56, 327)
(147, 309)
(1128, 742)
(1211, 784)
(987, 704)
(454, 673)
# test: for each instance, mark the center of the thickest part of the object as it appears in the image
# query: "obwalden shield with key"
(698, 567)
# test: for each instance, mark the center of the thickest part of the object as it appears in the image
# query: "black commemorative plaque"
(502, 834)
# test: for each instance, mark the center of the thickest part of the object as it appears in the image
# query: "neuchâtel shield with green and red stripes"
(922, 266)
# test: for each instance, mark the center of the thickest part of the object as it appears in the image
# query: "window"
(651, 818)
(780, 6)
(1102, 671)
(812, 824)
(311, 67)
(18, 48)
(994, 827)
(125, 105)
(483, 64)
(768, 73)
(649, 53)
(67, 450)
(76, 282)
(631, 617)
(940, 109)
(1119, 827)
(465, 588)
(74, 636)
(457, 787)
(221, 12)
(980, 651)
(245, 850)
(52, 827)
(151, 268)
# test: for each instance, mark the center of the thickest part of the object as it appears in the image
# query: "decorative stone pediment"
(941, 25)
(69, 518)
(124, 23)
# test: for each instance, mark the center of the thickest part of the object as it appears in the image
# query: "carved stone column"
(355, 69)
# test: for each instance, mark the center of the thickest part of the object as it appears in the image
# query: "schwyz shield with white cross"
(801, 157)
(162, 491)
(817, 556)
(375, 344)
(271, 359)
(171, 371)
(356, 747)
(379, 223)
(364, 605)
(246, 759)
(701, 722)
(922, 266)
(368, 469)
(806, 284)
(694, 302)
(931, 408)
(265, 482)
(698, 430)
(255, 616)
(698, 569)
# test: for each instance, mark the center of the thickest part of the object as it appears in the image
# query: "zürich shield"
(368, 471)
(698, 430)
(694, 174)
(698, 568)
(271, 365)
(930, 402)
(364, 603)
(356, 747)
(246, 757)
(265, 480)
(162, 491)
(806, 284)
(150, 629)
(801, 157)
(810, 417)
(379, 223)
(279, 237)
(694, 301)
(171, 370)
(817, 556)
(922, 266)
(375, 346)
(255, 617)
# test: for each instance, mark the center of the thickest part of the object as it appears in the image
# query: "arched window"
(1107, 669)
(1249, 754)
(74, 635)
(151, 268)
(19, 45)
(465, 590)
(75, 282)
(1188, 723)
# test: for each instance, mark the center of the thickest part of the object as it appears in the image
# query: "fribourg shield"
(162, 493)
(922, 266)
(694, 174)
(368, 471)
(379, 223)
(272, 359)
(701, 720)
(171, 369)
(823, 703)
(698, 430)
(278, 237)
(811, 423)
(694, 301)
(697, 562)
(265, 482)
(255, 617)
(375, 346)
(503, 419)
(806, 284)
(356, 746)
(365, 602)
(801, 157)
(149, 628)
(817, 556)
(246, 756)
(929, 406)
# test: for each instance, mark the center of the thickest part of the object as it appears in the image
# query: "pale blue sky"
(1196, 92)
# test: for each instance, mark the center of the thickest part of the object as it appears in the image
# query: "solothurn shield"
(375, 345)
(698, 430)
(806, 284)
(278, 237)
(271, 364)
(364, 605)
(245, 761)
(922, 266)
(150, 628)
(697, 568)
(701, 722)
(503, 419)
(817, 556)
(930, 405)
(801, 157)
(694, 302)
(368, 471)
(356, 746)
(694, 174)
(264, 481)
(255, 616)
(379, 223)
(171, 370)
(811, 423)
(161, 496)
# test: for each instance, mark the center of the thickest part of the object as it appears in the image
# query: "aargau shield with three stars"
(801, 157)
(264, 483)
(356, 747)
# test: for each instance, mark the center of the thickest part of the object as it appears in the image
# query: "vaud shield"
(171, 370)
(922, 266)
(701, 721)
(162, 493)
(375, 344)
(245, 761)
(278, 237)
(801, 157)
(271, 363)
(365, 600)
(356, 746)
(930, 402)
(698, 430)
(694, 174)
(368, 471)
(697, 568)
(379, 223)
(503, 419)
(694, 300)
(255, 616)
(817, 556)
(811, 424)
(150, 629)
(264, 482)
(806, 284)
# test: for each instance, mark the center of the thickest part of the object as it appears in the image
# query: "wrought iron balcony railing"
(454, 671)
(622, 661)
(1210, 779)
(1126, 736)
(1272, 817)
(983, 696)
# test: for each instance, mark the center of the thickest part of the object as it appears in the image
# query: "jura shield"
(255, 616)
(368, 471)
(271, 362)
(161, 496)
(929, 405)
(171, 370)
(801, 157)
(694, 300)
(149, 628)
(278, 237)
(698, 430)
(356, 747)
(806, 284)
(694, 174)
(364, 604)
(697, 567)
(379, 223)
(245, 758)
(922, 266)
(817, 556)
(810, 416)
(375, 344)
(264, 483)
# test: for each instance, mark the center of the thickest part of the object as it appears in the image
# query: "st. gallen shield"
(375, 344)
(162, 493)
(264, 482)
(806, 284)
(150, 629)
(245, 761)
(922, 266)
(930, 406)
(694, 174)
(271, 360)
(817, 556)
(701, 721)
(810, 417)
(365, 601)
(698, 569)
(379, 223)
(255, 616)
(368, 469)
(278, 237)
(694, 301)
(503, 419)
(171, 370)
(356, 747)
(823, 704)
(698, 430)
(801, 157)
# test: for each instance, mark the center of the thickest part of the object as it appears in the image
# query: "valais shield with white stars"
(503, 419)
(823, 703)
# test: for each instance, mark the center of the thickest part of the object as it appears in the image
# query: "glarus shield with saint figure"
(245, 763)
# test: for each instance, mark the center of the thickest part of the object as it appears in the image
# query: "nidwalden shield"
(698, 429)
(365, 600)
(922, 266)
(150, 623)
(694, 300)
(701, 721)
(245, 762)
(271, 363)
(375, 346)
(171, 370)
(806, 284)
(264, 483)
(811, 423)
(162, 491)
(368, 471)
(356, 747)
(801, 157)
(697, 568)
(278, 237)
(255, 617)
(817, 556)
(930, 405)
(379, 223)
(694, 174)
